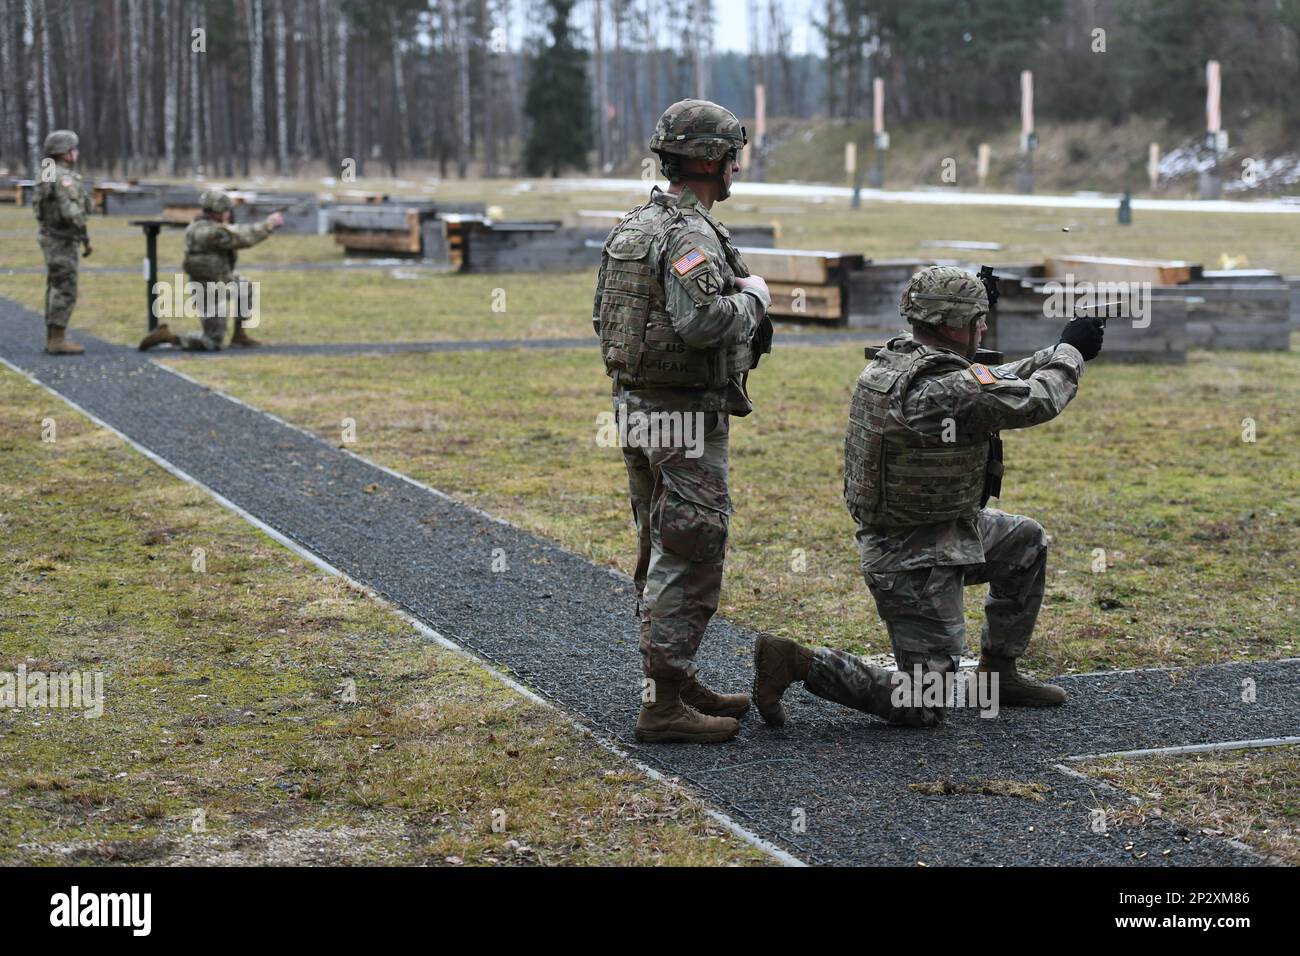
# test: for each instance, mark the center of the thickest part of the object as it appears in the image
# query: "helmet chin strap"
(971, 346)
(720, 177)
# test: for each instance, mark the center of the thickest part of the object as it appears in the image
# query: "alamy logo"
(180, 299)
(652, 430)
(1110, 300)
(103, 909)
(59, 690)
(977, 689)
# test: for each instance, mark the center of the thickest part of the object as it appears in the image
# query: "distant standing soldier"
(920, 451)
(61, 205)
(681, 323)
(212, 242)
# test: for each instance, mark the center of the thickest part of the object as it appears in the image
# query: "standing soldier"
(921, 459)
(61, 206)
(211, 244)
(681, 323)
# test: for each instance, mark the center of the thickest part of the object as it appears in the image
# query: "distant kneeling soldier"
(921, 442)
(211, 244)
(61, 206)
(681, 323)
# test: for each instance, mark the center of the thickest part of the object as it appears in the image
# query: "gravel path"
(565, 627)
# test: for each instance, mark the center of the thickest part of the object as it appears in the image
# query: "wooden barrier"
(1107, 269)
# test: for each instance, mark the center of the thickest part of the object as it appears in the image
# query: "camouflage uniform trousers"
(61, 259)
(214, 322)
(923, 613)
(681, 506)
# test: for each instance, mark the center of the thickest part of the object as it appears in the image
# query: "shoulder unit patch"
(709, 282)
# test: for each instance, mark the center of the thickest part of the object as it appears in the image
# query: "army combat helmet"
(215, 201)
(60, 141)
(945, 296)
(696, 129)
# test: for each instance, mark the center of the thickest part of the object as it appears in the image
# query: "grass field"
(1245, 795)
(1199, 528)
(224, 692)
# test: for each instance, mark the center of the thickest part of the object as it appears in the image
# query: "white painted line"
(1192, 748)
(1181, 667)
(753, 839)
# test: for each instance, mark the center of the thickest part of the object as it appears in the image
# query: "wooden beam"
(1110, 269)
(799, 301)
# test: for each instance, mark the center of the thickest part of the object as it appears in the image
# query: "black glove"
(761, 343)
(1085, 334)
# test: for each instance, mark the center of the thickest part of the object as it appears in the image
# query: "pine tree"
(557, 102)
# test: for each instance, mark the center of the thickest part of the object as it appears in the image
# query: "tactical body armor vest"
(640, 347)
(896, 476)
(203, 261)
(45, 204)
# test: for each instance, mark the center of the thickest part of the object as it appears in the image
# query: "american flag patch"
(982, 374)
(689, 261)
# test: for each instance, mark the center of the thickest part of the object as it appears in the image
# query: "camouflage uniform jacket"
(706, 308)
(61, 204)
(1016, 395)
(210, 247)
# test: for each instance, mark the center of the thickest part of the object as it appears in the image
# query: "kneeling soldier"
(921, 446)
(211, 250)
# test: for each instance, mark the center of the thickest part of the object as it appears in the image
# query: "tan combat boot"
(242, 339)
(778, 663)
(159, 336)
(56, 342)
(1016, 689)
(710, 702)
(669, 720)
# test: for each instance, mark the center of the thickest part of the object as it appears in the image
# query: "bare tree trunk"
(209, 79)
(325, 122)
(281, 91)
(779, 42)
(171, 84)
(466, 110)
(301, 82)
(652, 55)
(32, 98)
(43, 17)
(197, 113)
(257, 87)
(9, 72)
(136, 27)
(341, 94)
(148, 133)
(599, 93)
(487, 95)
(403, 137)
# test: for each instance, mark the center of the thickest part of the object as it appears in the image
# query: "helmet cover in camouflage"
(60, 141)
(214, 200)
(698, 128)
(944, 295)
